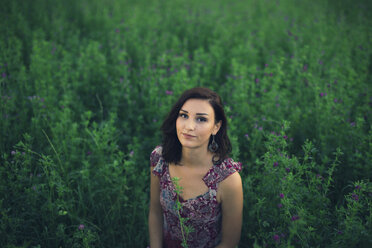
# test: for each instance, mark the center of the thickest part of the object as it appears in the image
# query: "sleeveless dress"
(204, 213)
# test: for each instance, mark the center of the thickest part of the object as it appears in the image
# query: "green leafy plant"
(185, 229)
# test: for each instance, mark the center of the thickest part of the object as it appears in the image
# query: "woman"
(195, 149)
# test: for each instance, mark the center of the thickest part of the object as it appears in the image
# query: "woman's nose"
(189, 125)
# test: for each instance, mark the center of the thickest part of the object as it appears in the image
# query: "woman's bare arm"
(232, 210)
(155, 214)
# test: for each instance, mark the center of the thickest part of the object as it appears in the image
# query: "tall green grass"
(85, 85)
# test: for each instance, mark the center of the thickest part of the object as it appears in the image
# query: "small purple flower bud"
(285, 137)
(295, 217)
(168, 92)
(281, 195)
(275, 164)
(276, 238)
(13, 152)
(3, 75)
(352, 124)
(355, 197)
(81, 227)
(89, 153)
(280, 205)
(257, 80)
(287, 170)
(358, 187)
(131, 153)
(246, 135)
(305, 68)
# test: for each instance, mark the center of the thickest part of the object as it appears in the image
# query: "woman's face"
(196, 123)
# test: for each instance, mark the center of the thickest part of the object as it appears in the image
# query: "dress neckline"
(193, 198)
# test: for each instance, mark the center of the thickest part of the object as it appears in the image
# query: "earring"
(213, 146)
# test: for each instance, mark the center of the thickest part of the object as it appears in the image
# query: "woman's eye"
(201, 119)
(183, 115)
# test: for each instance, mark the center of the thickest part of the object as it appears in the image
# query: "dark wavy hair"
(172, 148)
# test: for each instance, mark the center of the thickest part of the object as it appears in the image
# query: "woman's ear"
(217, 127)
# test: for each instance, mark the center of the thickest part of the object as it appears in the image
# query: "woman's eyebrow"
(196, 113)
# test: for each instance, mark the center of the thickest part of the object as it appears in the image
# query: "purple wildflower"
(358, 187)
(266, 65)
(3, 75)
(335, 100)
(34, 188)
(319, 176)
(276, 238)
(275, 164)
(352, 124)
(355, 197)
(280, 205)
(285, 137)
(246, 135)
(271, 74)
(81, 227)
(320, 62)
(131, 153)
(281, 195)
(260, 128)
(13, 152)
(89, 153)
(295, 217)
(257, 80)
(339, 232)
(287, 170)
(168, 92)
(289, 33)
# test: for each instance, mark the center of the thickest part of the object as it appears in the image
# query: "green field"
(86, 84)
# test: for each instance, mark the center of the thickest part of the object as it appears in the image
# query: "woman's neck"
(199, 157)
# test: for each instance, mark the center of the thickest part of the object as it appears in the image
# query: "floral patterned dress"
(204, 213)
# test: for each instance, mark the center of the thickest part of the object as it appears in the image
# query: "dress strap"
(221, 171)
(157, 161)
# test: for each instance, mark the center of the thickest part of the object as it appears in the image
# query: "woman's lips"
(188, 136)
